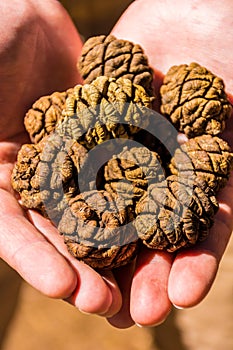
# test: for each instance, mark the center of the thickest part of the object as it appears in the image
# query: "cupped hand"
(38, 53)
(39, 47)
(176, 32)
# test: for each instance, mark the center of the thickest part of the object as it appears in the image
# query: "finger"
(194, 270)
(150, 304)
(30, 254)
(123, 277)
(191, 277)
(111, 282)
(93, 294)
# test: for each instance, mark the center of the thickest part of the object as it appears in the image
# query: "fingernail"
(149, 325)
(178, 307)
(139, 325)
(85, 313)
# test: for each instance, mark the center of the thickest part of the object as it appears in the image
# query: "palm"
(38, 55)
(174, 33)
(36, 58)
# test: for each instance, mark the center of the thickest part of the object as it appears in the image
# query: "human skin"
(38, 52)
(39, 47)
(172, 33)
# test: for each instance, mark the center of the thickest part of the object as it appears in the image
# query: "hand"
(174, 33)
(44, 44)
(39, 47)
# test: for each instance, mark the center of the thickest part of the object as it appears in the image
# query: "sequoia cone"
(112, 57)
(175, 213)
(194, 100)
(105, 204)
(206, 156)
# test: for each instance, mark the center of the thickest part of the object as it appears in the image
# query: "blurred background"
(93, 17)
(37, 322)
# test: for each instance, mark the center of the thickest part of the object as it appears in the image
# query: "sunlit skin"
(38, 52)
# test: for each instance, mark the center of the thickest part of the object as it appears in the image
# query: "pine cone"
(107, 108)
(44, 115)
(105, 205)
(194, 100)
(206, 156)
(175, 213)
(92, 113)
(95, 230)
(129, 173)
(112, 57)
(45, 174)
